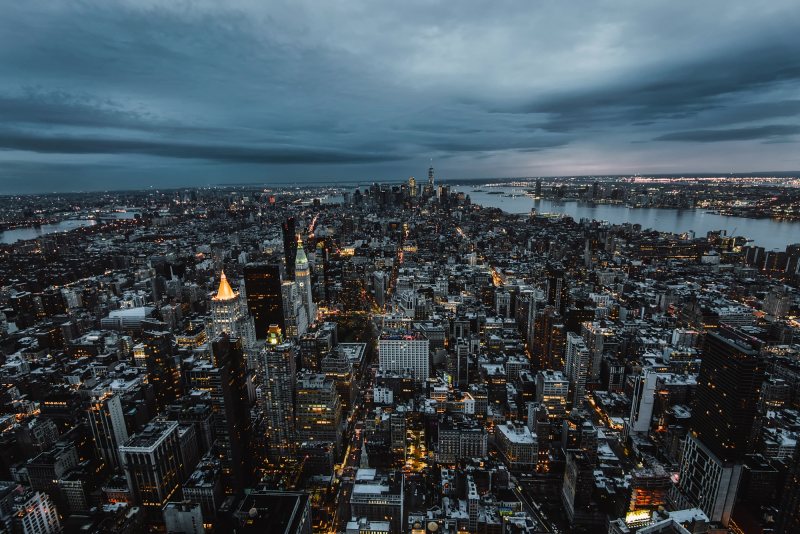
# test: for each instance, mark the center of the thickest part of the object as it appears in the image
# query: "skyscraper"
(412, 187)
(644, 394)
(107, 422)
(226, 379)
(318, 409)
(289, 230)
(262, 285)
(557, 293)
(152, 463)
(400, 351)
(577, 367)
(229, 316)
(728, 389)
(156, 355)
(279, 364)
(303, 279)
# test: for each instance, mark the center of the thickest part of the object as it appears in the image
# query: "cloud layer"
(128, 93)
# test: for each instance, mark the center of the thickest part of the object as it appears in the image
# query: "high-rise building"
(412, 187)
(577, 367)
(789, 516)
(225, 378)
(289, 230)
(552, 390)
(318, 410)
(262, 285)
(557, 291)
(107, 422)
(728, 389)
(156, 355)
(229, 315)
(279, 364)
(378, 497)
(402, 351)
(294, 312)
(302, 275)
(644, 395)
(460, 438)
(152, 463)
(34, 513)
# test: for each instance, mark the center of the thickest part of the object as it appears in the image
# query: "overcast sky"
(115, 94)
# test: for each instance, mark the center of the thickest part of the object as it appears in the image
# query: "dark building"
(289, 230)
(262, 284)
(226, 380)
(274, 511)
(156, 355)
(557, 291)
(728, 389)
(789, 517)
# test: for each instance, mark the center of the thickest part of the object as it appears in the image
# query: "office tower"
(294, 312)
(185, 517)
(302, 275)
(458, 363)
(262, 285)
(47, 468)
(33, 512)
(318, 410)
(278, 362)
(152, 463)
(289, 231)
(379, 497)
(412, 187)
(644, 395)
(225, 378)
(557, 291)
(107, 422)
(430, 177)
(576, 490)
(460, 437)
(229, 316)
(538, 191)
(156, 355)
(725, 408)
(789, 516)
(577, 367)
(402, 351)
(552, 390)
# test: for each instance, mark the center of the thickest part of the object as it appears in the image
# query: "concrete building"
(404, 351)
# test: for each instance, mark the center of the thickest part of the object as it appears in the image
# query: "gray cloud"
(770, 132)
(302, 90)
(169, 149)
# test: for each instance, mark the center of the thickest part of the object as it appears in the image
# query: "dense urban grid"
(395, 359)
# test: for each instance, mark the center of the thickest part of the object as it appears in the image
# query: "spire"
(224, 292)
(300, 261)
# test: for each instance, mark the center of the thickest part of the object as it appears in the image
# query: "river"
(32, 232)
(768, 233)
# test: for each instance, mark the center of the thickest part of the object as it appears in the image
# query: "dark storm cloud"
(770, 132)
(681, 91)
(304, 90)
(170, 149)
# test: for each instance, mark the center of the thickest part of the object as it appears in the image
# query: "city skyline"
(126, 95)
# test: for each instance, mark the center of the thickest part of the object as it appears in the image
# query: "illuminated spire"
(301, 260)
(224, 292)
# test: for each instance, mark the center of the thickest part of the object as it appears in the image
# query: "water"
(768, 233)
(20, 234)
